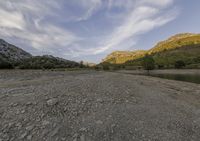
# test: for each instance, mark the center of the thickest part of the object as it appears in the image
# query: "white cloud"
(160, 3)
(34, 22)
(90, 6)
(23, 20)
(11, 19)
(140, 20)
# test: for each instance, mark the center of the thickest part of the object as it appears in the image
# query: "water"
(180, 77)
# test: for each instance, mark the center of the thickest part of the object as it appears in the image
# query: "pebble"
(83, 129)
(23, 111)
(99, 122)
(52, 102)
(82, 137)
(45, 122)
(29, 128)
(29, 137)
(23, 135)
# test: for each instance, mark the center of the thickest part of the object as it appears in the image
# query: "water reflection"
(180, 77)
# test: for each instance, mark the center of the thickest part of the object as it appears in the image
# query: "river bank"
(96, 106)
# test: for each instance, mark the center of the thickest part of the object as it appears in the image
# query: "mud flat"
(96, 106)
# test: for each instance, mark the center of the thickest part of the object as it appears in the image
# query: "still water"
(180, 77)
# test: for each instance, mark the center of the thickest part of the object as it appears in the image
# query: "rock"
(23, 135)
(29, 128)
(99, 100)
(19, 125)
(23, 111)
(29, 137)
(75, 137)
(45, 122)
(99, 122)
(82, 137)
(29, 103)
(52, 102)
(55, 131)
(83, 129)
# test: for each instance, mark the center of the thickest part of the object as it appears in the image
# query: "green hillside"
(120, 57)
(181, 47)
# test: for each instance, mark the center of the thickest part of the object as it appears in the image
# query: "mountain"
(47, 62)
(11, 53)
(14, 57)
(184, 47)
(179, 40)
(120, 57)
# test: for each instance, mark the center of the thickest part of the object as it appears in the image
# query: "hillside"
(184, 47)
(14, 57)
(120, 57)
(9, 52)
(179, 40)
(47, 62)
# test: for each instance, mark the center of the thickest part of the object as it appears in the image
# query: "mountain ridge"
(172, 43)
(12, 56)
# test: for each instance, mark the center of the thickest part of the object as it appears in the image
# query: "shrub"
(179, 64)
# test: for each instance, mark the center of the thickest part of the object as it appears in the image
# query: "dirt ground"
(96, 106)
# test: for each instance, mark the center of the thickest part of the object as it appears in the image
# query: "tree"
(148, 63)
(81, 64)
(5, 65)
(179, 64)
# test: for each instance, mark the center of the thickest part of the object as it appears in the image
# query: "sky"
(89, 30)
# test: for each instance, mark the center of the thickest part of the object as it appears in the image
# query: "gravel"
(96, 106)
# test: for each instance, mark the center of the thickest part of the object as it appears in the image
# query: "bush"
(105, 67)
(148, 63)
(5, 65)
(179, 64)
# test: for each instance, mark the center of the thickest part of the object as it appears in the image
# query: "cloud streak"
(78, 28)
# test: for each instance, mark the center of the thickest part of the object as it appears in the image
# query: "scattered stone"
(23, 111)
(29, 128)
(83, 129)
(45, 122)
(99, 100)
(55, 131)
(29, 137)
(19, 125)
(75, 137)
(82, 137)
(23, 135)
(99, 122)
(52, 102)
(29, 103)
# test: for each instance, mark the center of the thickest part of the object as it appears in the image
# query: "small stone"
(19, 125)
(23, 135)
(14, 104)
(75, 137)
(99, 100)
(23, 111)
(29, 137)
(55, 131)
(99, 122)
(29, 128)
(52, 102)
(82, 137)
(29, 103)
(45, 122)
(83, 129)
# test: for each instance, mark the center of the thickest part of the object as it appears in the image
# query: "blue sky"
(90, 29)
